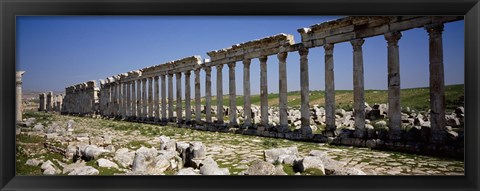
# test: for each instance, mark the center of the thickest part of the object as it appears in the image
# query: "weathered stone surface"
(259, 167)
(144, 160)
(348, 171)
(124, 157)
(91, 152)
(210, 167)
(106, 163)
(71, 167)
(49, 168)
(186, 171)
(33, 162)
(86, 170)
(167, 144)
(309, 162)
(279, 154)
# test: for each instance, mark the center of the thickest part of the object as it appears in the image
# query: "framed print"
(256, 95)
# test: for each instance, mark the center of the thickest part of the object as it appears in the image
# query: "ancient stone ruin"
(142, 95)
(50, 102)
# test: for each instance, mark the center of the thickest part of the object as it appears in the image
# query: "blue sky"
(59, 51)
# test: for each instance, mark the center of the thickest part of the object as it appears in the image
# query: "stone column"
(150, 98)
(263, 91)
(18, 96)
(437, 83)
(358, 88)
(219, 94)
(394, 111)
(170, 97)
(233, 96)
(208, 94)
(164, 99)
(125, 99)
(129, 99)
(134, 100)
(121, 99)
(247, 109)
(155, 100)
(188, 108)
(304, 92)
(144, 99)
(42, 102)
(114, 99)
(198, 109)
(282, 82)
(50, 101)
(139, 99)
(111, 101)
(178, 75)
(329, 91)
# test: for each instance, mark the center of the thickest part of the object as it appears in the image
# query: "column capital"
(197, 71)
(178, 74)
(155, 77)
(170, 74)
(144, 79)
(303, 51)
(282, 56)
(263, 58)
(219, 67)
(207, 69)
(328, 48)
(357, 44)
(393, 37)
(232, 65)
(246, 62)
(188, 72)
(434, 29)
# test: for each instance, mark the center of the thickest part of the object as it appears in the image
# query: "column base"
(360, 133)
(438, 137)
(330, 133)
(395, 135)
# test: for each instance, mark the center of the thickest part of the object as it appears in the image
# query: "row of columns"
(138, 103)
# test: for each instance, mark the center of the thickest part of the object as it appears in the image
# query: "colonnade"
(143, 94)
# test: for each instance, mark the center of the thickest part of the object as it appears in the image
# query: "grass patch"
(313, 171)
(288, 169)
(269, 143)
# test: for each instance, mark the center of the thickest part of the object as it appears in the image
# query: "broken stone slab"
(144, 160)
(124, 157)
(33, 162)
(309, 162)
(86, 170)
(348, 171)
(167, 144)
(259, 167)
(279, 154)
(49, 168)
(186, 171)
(71, 167)
(91, 152)
(106, 163)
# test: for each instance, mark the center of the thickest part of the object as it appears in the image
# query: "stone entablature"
(349, 28)
(252, 49)
(81, 99)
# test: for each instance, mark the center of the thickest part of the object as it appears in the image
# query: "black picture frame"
(11, 8)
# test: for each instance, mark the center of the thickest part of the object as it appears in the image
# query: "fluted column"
(263, 91)
(247, 104)
(115, 104)
(394, 111)
(329, 91)
(233, 96)
(437, 83)
(188, 108)
(170, 97)
(144, 99)
(121, 100)
(134, 100)
(282, 83)
(219, 94)
(358, 88)
(164, 99)
(208, 94)
(179, 97)
(139, 99)
(156, 105)
(18, 96)
(150, 98)
(129, 99)
(304, 92)
(198, 109)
